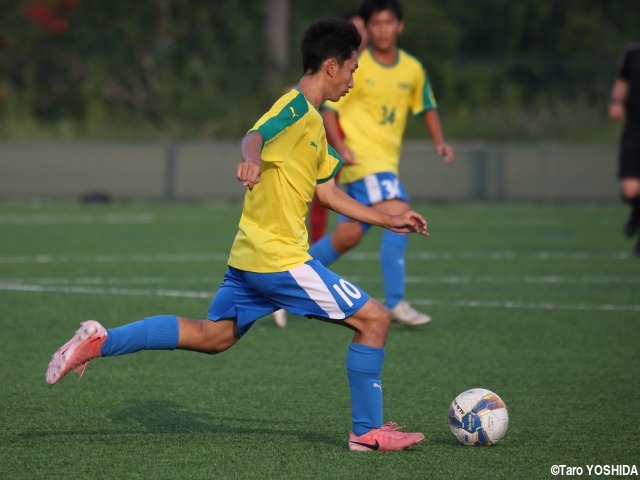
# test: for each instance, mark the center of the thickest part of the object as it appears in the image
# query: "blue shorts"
(375, 188)
(310, 290)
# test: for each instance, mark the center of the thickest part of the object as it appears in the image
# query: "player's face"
(343, 77)
(383, 28)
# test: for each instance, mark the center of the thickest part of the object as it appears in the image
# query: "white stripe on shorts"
(311, 283)
(373, 189)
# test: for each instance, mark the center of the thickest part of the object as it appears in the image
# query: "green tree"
(205, 68)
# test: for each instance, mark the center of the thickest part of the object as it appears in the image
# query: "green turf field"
(539, 304)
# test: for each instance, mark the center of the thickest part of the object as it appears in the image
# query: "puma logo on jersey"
(293, 112)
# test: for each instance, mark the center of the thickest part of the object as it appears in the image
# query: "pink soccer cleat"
(74, 355)
(386, 438)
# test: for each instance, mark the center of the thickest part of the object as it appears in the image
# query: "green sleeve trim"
(427, 94)
(421, 113)
(337, 156)
(290, 114)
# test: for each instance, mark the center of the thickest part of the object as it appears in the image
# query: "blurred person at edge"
(624, 105)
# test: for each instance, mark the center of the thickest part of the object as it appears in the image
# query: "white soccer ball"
(478, 417)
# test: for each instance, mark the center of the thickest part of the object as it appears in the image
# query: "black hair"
(369, 7)
(354, 12)
(328, 38)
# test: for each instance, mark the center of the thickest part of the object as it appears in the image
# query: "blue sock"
(153, 333)
(364, 365)
(392, 264)
(323, 251)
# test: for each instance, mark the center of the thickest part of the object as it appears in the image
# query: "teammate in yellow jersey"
(286, 159)
(389, 84)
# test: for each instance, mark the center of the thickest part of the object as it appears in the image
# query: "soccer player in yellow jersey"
(389, 84)
(286, 159)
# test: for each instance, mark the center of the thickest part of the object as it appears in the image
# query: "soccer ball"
(478, 417)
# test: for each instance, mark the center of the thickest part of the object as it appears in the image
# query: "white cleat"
(280, 318)
(405, 314)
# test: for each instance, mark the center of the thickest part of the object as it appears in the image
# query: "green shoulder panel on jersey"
(336, 155)
(429, 98)
(427, 93)
(287, 116)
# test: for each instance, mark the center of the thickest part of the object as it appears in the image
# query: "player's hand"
(348, 156)
(409, 222)
(248, 172)
(446, 152)
(616, 111)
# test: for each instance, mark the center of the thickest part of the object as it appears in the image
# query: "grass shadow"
(164, 417)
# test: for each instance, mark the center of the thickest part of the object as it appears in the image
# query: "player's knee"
(378, 321)
(218, 347)
(347, 240)
(217, 340)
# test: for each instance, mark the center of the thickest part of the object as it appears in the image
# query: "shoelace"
(391, 426)
(80, 369)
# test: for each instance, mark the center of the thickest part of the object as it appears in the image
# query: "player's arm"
(332, 197)
(248, 172)
(334, 137)
(619, 92)
(431, 120)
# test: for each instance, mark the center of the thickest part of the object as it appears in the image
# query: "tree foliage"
(199, 68)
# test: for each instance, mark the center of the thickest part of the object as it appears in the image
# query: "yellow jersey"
(373, 115)
(295, 157)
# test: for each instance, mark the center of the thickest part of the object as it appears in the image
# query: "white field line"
(498, 255)
(427, 279)
(114, 258)
(102, 281)
(104, 291)
(511, 280)
(531, 305)
(352, 256)
(208, 294)
(13, 219)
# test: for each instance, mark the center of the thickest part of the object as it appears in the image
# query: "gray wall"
(206, 172)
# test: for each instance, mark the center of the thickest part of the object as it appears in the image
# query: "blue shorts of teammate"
(373, 189)
(377, 188)
(310, 290)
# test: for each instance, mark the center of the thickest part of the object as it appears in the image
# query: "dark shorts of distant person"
(629, 156)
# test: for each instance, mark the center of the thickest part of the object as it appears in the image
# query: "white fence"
(206, 172)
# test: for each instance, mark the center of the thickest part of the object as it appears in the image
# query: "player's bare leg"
(89, 340)
(346, 236)
(206, 336)
(371, 324)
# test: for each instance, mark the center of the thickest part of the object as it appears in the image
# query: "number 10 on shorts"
(346, 290)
